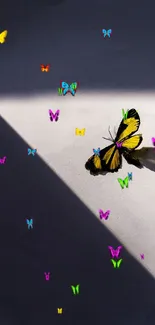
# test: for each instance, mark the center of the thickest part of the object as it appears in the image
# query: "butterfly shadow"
(146, 157)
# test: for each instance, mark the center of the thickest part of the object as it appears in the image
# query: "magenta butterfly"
(54, 116)
(104, 215)
(115, 252)
(153, 141)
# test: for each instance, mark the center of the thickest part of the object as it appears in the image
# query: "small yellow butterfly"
(80, 132)
(59, 310)
(3, 35)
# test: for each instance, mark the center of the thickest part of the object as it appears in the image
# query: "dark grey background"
(67, 239)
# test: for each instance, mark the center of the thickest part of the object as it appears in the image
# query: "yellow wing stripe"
(108, 154)
(132, 142)
(115, 160)
(97, 162)
(132, 127)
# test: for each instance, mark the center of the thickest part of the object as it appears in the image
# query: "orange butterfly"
(45, 67)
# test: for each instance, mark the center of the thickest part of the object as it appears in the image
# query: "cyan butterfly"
(107, 32)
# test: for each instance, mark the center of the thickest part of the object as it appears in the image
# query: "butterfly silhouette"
(107, 32)
(123, 182)
(153, 141)
(68, 88)
(59, 310)
(80, 132)
(130, 176)
(125, 114)
(104, 215)
(3, 36)
(96, 151)
(115, 252)
(29, 223)
(116, 264)
(54, 116)
(44, 68)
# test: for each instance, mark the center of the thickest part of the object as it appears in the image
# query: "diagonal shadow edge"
(68, 241)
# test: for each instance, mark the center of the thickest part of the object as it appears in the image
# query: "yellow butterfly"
(80, 132)
(59, 310)
(110, 158)
(3, 35)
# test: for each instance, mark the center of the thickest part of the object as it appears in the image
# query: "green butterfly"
(123, 182)
(125, 114)
(75, 289)
(116, 264)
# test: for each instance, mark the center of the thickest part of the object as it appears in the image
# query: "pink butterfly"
(104, 215)
(115, 252)
(153, 141)
(142, 256)
(54, 116)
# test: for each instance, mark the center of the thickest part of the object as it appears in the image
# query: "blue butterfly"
(31, 151)
(68, 88)
(96, 151)
(130, 176)
(107, 32)
(29, 223)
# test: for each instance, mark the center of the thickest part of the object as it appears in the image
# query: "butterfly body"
(116, 264)
(123, 182)
(80, 132)
(107, 32)
(54, 116)
(104, 215)
(142, 256)
(115, 252)
(3, 36)
(66, 88)
(125, 142)
(45, 68)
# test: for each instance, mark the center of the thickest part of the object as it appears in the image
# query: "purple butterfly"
(153, 141)
(54, 116)
(104, 215)
(115, 252)
(119, 145)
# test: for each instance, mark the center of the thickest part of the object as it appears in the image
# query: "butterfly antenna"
(110, 134)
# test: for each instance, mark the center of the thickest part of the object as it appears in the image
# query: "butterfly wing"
(42, 67)
(126, 181)
(83, 131)
(107, 214)
(3, 36)
(112, 251)
(114, 263)
(57, 115)
(111, 159)
(121, 182)
(47, 67)
(101, 213)
(73, 288)
(128, 126)
(119, 263)
(104, 32)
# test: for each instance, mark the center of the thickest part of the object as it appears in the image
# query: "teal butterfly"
(123, 182)
(116, 264)
(130, 176)
(125, 114)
